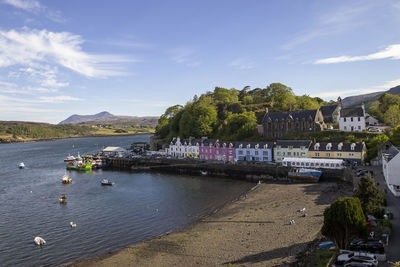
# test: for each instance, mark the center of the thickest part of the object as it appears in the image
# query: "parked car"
(358, 257)
(371, 246)
(364, 172)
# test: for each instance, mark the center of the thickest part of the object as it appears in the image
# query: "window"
(265, 158)
(345, 128)
(289, 153)
(344, 119)
(247, 152)
(351, 119)
(265, 153)
(302, 164)
(290, 147)
(339, 154)
(317, 154)
(359, 119)
(307, 164)
(312, 164)
(240, 152)
(256, 152)
(328, 154)
(359, 127)
(278, 153)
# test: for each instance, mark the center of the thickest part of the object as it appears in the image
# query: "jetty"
(238, 171)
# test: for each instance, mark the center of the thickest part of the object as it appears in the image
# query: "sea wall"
(249, 172)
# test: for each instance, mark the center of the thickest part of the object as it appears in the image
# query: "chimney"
(266, 109)
(363, 108)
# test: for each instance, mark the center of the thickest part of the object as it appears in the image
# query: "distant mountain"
(108, 118)
(358, 99)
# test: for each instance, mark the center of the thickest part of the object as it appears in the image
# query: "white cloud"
(390, 52)
(29, 47)
(184, 55)
(242, 64)
(57, 99)
(35, 7)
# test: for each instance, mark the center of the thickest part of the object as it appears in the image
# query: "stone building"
(278, 124)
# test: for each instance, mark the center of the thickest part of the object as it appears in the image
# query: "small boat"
(69, 158)
(66, 179)
(72, 224)
(39, 241)
(63, 199)
(305, 174)
(106, 182)
(21, 165)
(204, 173)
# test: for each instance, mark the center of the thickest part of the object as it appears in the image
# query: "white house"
(391, 169)
(183, 148)
(352, 119)
(254, 151)
(371, 121)
(291, 148)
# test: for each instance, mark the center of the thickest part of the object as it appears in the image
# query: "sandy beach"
(252, 231)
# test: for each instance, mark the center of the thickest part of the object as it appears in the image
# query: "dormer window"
(256, 146)
(266, 146)
(352, 146)
(241, 146)
(329, 146)
(316, 146)
(248, 146)
(340, 145)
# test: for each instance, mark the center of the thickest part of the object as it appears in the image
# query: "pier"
(248, 172)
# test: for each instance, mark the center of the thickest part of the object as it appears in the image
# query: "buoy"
(73, 225)
(39, 241)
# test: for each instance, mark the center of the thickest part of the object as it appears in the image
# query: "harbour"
(139, 206)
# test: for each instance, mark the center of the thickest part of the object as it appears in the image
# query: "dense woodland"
(230, 114)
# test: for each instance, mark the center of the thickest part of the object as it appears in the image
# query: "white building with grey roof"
(352, 119)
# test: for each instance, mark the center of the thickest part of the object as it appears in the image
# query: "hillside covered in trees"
(230, 114)
(386, 109)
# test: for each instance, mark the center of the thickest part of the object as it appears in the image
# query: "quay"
(239, 171)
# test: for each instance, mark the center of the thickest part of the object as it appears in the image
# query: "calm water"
(139, 206)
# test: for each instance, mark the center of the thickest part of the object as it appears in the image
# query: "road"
(393, 204)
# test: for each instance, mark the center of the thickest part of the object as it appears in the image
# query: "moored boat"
(21, 165)
(39, 241)
(106, 182)
(63, 199)
(305, 174)
(66, 180)
(69, 158)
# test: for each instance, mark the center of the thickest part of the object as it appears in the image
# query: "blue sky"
(59, 58)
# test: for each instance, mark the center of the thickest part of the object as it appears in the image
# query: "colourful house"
(217, 150)
(351, 153)
(254, 151)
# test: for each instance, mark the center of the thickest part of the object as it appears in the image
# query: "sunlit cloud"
(57, 99)
(184, 55)
(390, 52)
(29, 47)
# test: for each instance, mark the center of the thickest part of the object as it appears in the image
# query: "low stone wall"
(249, 172)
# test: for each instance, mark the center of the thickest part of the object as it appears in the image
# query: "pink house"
(210, 150)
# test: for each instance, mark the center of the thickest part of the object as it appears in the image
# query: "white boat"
(39, 241)
(69, 158)
(66, 179)
(21, 165)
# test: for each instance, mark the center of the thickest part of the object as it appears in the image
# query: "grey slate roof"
(294, 143)
(346, 147)
(253, 144)
(294, 115)
(327, 111)
(351, 112)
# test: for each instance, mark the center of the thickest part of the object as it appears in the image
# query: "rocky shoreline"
(254, 231)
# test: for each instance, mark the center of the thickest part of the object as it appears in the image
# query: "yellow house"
(351, 153)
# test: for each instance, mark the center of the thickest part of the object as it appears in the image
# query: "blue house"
(254, 151)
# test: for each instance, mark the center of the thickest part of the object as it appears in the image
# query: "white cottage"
(391, 169)
(183, 148)
(352, 119)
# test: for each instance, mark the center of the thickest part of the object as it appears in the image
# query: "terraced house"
(351, 153)
(183, 148)
(217, 150)
(254, 151)
(291, 149)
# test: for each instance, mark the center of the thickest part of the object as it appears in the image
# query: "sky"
(130, 57)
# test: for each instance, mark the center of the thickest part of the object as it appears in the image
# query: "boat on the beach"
(66, 180)
(106, 182)
(305, 174)
(21, 165)
(39, 241)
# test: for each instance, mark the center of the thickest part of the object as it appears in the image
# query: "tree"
(370, 196)
(240, 126)
(395, 136)
(392, 115)
(373, 144)
(344, 220)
